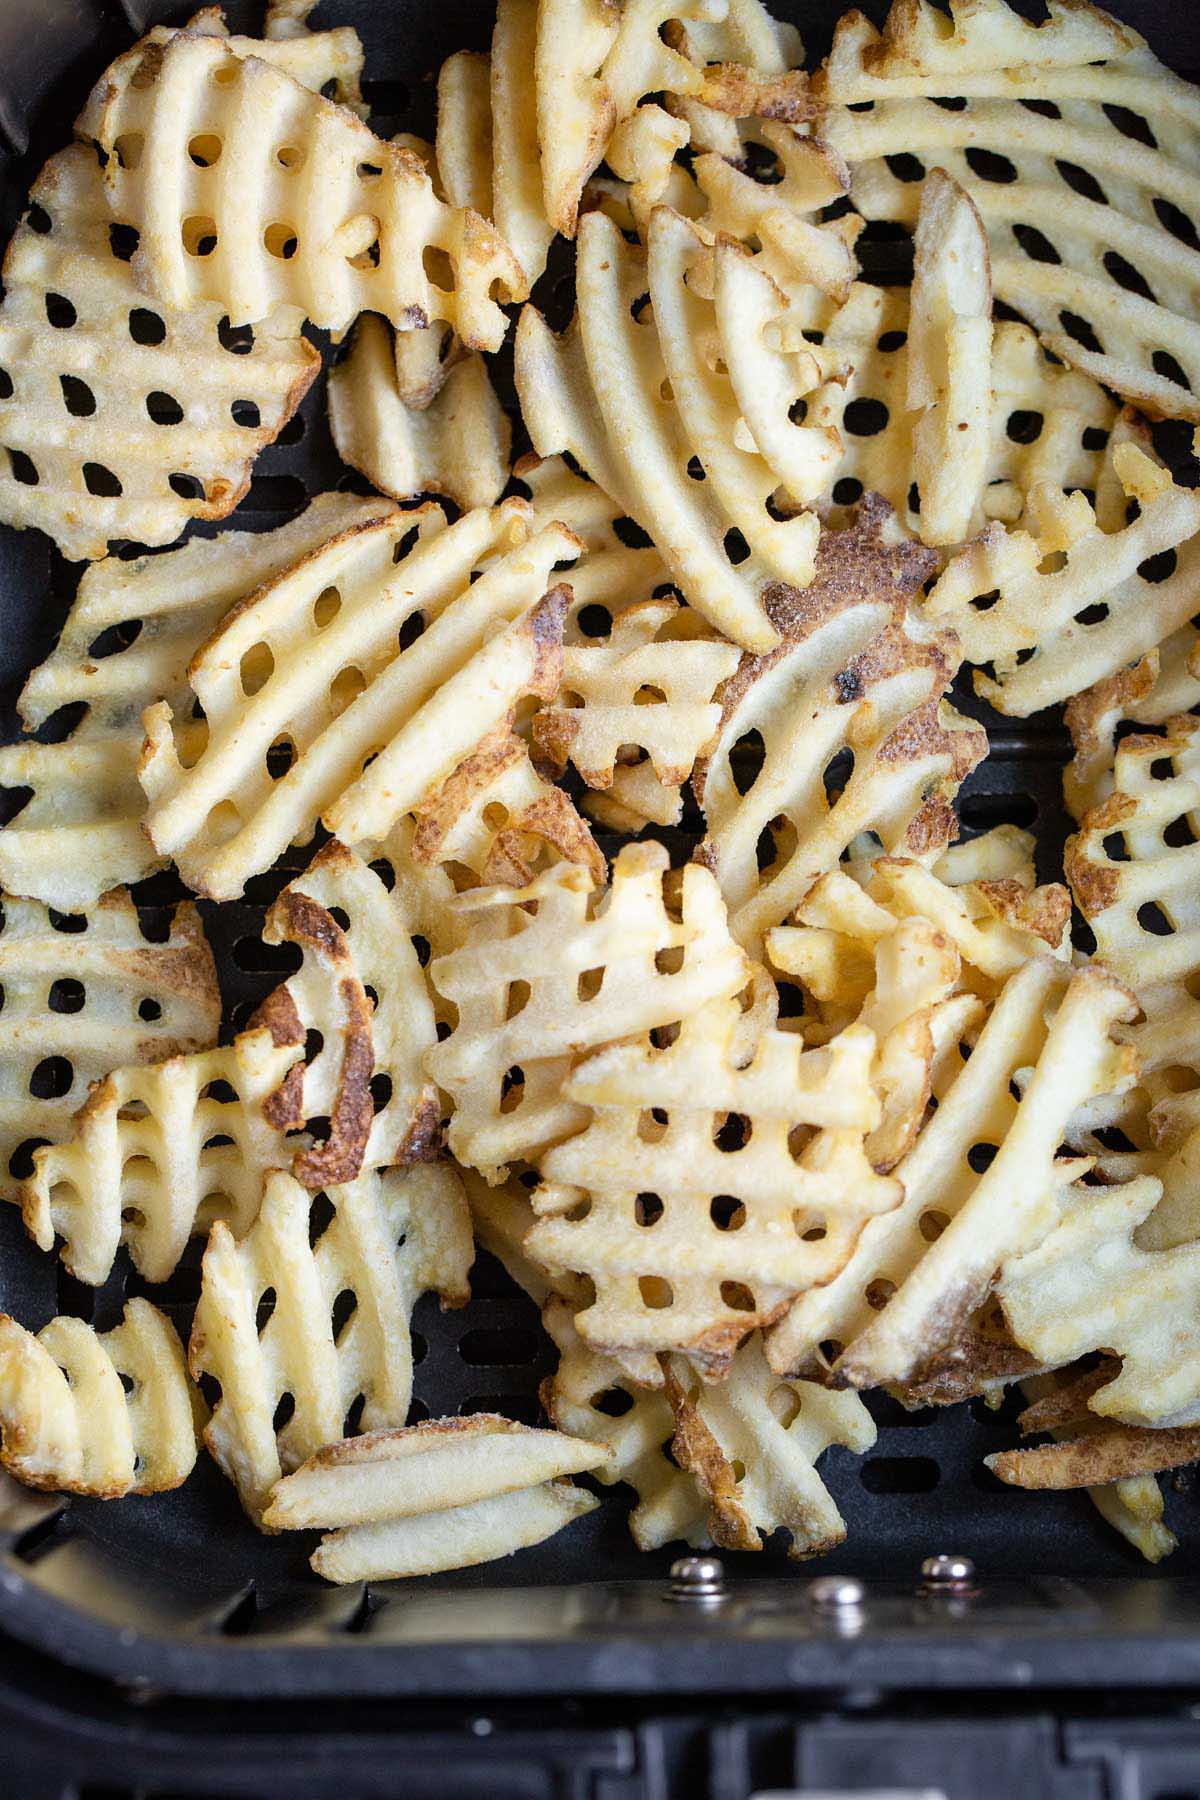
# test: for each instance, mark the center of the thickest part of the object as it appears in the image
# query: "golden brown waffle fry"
(392, 1237)
(855, 674)
(646, 688)
(416, 1470)
(949, 359)
(533, 988)
(1078, 148)
(674, 464)
(919, 1272)
(82, 994)
(122, 419)
(292, 201)
(497, 817)
(593, 64)
(708, 1190)
(361, 989)
(592, 1397)
(457, 446)
(104, 1414)
(126, 643)
(374, 714)
(1164, 684)
(1089, 1285)
(1118, 1454)
(753, 1442)
(1070, 603)
(157, 1155)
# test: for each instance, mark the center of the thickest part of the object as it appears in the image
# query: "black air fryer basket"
(569, 1668)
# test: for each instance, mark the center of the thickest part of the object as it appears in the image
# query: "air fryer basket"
(178, 1592)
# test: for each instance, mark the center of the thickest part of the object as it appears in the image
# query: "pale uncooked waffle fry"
(157, 1155)
(949, 359)
(83, 994)
(708, 1190)
(613, 573)
(457, 445)
(920, 1271)
(593, 1397)
(599, 392)
(1076, 126)
(122, 420)
(1071, 603)
(99, 1413)
(496, 816)
(392, 1237)
(856, 673)
(1089, 1285)
(297, 203)
(446, 1494)
(410, 1471)
(647, 687)
(554, 969)
(1132, 868)
(753, 1441)
(361, 989)
(593, 65)
(126, 643)
(412, 666)
(487, 136)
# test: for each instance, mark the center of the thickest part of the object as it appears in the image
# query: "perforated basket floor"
(187, 1564)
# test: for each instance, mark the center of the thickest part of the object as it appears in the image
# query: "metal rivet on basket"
(836, 1593)
(948, 1574)
(698, 1579)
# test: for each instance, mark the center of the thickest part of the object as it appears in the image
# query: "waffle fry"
(1164, 684)
(505, 1062)
(1131, 866)
(458, 446)
(610, 703)
(1136, 889)
(775, 1432)
(157, 1156)
(920, 1271)
(496, 816)
(316, 59)
(612, 574)
(361, 988)
(104, 1414)
(487, 140)
(1048, 580)
(417, 1470)
(82, 994)
(120, 421)
(459, 1538)
(856, 673)
(597, 392)
(1107, 276)
(126, 643)
(593, 65)
(361, 230)
(949, 359)
(691, 1241)
(638, 1430)
(392, 1237)
(1089, 1284)
(417, 708)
